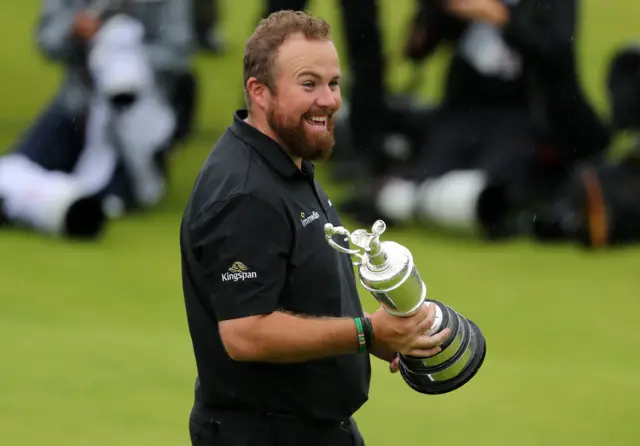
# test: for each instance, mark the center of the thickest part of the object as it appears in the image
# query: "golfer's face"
(306, 77)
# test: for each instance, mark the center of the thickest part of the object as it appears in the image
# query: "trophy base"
(461, 357)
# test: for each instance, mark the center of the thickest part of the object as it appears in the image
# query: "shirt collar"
(270, 150)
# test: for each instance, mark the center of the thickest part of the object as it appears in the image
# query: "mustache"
(329, 113)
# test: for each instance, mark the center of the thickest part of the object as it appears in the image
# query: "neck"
(262, 126)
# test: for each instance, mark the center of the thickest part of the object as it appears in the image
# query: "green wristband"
(362, 342)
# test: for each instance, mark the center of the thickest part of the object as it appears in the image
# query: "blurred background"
(497, 139)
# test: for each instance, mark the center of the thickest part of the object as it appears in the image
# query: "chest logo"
(307, 220)
(238, 271)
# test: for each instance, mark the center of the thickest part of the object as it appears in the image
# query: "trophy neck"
(377, 256)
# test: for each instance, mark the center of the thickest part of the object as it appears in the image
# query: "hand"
(414, 45)
(490, 11)
(394, 365)
(85, 25)
(406, 335)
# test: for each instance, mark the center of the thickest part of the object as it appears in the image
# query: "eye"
(308, 84)
(334, 84)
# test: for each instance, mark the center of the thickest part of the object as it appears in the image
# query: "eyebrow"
(315, 75)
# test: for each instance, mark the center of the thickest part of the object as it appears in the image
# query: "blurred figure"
(513, 120)
(207, 26)
(367, 106)
(599, 204)
(623, 86)
(98, 150)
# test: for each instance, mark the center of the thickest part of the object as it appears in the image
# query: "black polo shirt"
(252, 242)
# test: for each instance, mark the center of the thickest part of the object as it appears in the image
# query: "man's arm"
(287, 338)
(487, 11)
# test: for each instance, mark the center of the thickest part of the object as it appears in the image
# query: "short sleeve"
(243, 246)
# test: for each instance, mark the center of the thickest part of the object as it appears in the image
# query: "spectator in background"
(98, 147)
(366, 95)
(207, 26)
(513, 120)
(599, 204)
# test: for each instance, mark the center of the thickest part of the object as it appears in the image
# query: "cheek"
(338, 98)
(294, 107)
(296, 111)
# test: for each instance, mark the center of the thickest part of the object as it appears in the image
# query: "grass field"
(94, 347)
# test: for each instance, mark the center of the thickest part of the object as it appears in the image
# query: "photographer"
(599, 204)
(99, 146)
(512, 121)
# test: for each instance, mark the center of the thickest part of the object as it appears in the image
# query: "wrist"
(369, 337)
(364, 334)
(498, 16)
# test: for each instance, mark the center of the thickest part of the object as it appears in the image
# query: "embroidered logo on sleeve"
(238, 271)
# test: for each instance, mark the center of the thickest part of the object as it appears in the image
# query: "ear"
(258, 92)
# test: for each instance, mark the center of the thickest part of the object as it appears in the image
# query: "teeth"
(318, 118)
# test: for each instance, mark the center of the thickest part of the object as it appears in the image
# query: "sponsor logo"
(310, 219)
(238, 271)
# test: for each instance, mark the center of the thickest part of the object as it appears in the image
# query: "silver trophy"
(386, 269)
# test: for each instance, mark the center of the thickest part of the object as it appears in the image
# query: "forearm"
(286, 338)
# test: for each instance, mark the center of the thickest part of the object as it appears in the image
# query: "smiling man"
(298, 112)
(281, 342)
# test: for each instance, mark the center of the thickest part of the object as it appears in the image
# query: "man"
(107, 130)
(273, 310)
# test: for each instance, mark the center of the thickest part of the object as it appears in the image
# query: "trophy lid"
(382, 260)
(370, 242)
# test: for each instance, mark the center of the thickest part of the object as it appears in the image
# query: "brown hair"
(262, 47)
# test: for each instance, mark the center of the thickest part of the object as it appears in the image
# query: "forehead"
(298, 54)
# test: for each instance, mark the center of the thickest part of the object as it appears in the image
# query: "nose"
(328, 98)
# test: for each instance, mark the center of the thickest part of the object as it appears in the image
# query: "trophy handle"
(330, 231)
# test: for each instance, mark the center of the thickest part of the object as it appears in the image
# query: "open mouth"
(316, 121)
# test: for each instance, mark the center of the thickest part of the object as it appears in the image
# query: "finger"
(426, 342)
(425, 353)
(442, 336)
(420, 315)
(439, 338)
(394, 365)
(426, 324)
(431, 312)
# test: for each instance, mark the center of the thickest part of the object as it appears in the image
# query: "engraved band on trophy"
(386, 269)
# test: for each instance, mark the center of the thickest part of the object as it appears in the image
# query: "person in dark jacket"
(512, 121)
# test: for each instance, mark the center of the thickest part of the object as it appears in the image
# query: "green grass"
(94, 347)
